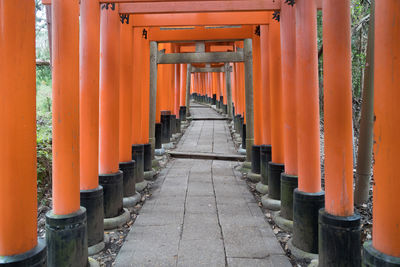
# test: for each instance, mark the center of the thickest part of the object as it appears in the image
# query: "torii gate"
(18, 240)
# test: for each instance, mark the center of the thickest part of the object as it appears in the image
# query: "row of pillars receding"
(99, 156)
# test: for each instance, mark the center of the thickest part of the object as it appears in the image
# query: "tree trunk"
(365, 144)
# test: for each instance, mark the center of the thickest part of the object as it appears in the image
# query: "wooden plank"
(212, 57)
(199, 34)
(199, 6)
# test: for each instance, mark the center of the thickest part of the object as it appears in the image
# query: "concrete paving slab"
(201, 212)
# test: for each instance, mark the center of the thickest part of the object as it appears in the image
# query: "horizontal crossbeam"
(211, 57)
(208, 69)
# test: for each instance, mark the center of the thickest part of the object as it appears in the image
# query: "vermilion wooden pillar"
(89, 60)
(276, 165)
(18, 197)
(255, 150)
(308, 198)
(66, 164)
(182, 101)
(336, 249)
(265, 150)
(128, 109)
(289, 179)
(111, 178)
(385, 247)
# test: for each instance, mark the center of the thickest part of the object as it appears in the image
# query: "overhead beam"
(202, 19)
(199, 6)
(210, 57)
(208, 69)
(199, 34)
(189, 6)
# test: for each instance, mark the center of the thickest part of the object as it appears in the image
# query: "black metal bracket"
(124, 17)
(258, 31)
(290, 2)
(276, 15)
(106, 6)
(144, 34)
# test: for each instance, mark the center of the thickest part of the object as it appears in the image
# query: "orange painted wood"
(199, 33)
(126, 105)
(288, 45)
(177, 83)
(275, 74)
(386, 218)
(201, 19)
(257, 90)
(109, 91)
(338, 108)
(307, 94)
(200, 6)
(65, 47)
(18, 179)
(89, 60)
(145, 56)
(138, 72)
(265, 90)
(183, 78)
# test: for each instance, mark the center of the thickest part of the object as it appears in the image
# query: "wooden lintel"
(210, 57)
(206, 69)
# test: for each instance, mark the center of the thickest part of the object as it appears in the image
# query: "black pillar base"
(225, 108)
(255, 159)
(265, 157)
(233, 109)
(158, 136)
(372, 257)
(92, 201)
(288, 185)
(182, 113)
(178, 125)
(113, 193)
(305, 219)
(339, 240)
(165, 126)
(128, 170)
(147, 157)
(138, 157)
(173, 124)
(244, 136)
(66, 238)
(36, 257)
(214, 99)
(274, 180)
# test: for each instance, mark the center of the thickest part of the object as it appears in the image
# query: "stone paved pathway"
(201, 213)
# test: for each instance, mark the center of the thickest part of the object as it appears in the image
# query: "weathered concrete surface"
(201, 213)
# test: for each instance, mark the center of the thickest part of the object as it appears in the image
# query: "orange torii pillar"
(177, 96)
(215, 88)
(384, 250)
(276, 166)
(134, 77)
(144, 57)
(265, 150)
(66, 222)
(127, 110)
(182, 99)
(89, 60)
(308, 198)
(339, 226)
(288, 60)
(110, 177)
(19, 245)
(255, 175)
